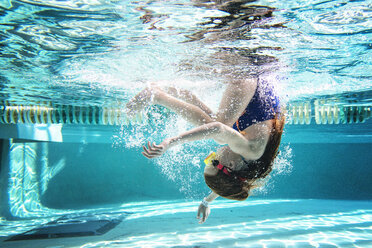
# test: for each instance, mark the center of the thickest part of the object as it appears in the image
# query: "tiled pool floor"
(252, 223)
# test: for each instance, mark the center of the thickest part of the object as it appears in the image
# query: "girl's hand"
(204, 211)
(153, 150)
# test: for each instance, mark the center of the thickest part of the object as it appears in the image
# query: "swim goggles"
(211, 160)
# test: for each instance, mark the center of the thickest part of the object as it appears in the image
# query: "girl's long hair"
(231, 187)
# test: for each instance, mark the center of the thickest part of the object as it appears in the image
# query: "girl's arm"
(217, 131)
(204, 209)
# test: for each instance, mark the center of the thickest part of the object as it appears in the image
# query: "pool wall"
(83, 175)
(101, 174)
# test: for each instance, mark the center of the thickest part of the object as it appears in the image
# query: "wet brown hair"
(231, 187)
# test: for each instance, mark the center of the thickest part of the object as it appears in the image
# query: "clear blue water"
(89, 57)
(73, 51)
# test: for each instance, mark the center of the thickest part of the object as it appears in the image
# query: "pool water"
(71, 171)
(255, 223)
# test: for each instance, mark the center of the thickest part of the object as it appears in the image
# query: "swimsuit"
(263, 106)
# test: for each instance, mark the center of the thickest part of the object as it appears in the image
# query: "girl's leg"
(189, 97)
(155, 95)
(235, 99)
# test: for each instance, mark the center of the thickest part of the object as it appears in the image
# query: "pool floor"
(252, 223)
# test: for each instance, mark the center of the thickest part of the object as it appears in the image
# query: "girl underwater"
(249, 122)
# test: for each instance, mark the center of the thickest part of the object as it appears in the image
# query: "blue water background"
(100, 53)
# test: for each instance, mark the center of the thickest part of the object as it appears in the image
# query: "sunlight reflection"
(292, 229)
(254, 223)
(148, 209)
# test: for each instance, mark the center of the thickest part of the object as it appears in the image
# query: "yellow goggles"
(208, 160)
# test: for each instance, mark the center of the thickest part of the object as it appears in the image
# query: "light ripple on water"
(45, 44)
(253, 223)
(337, 229)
